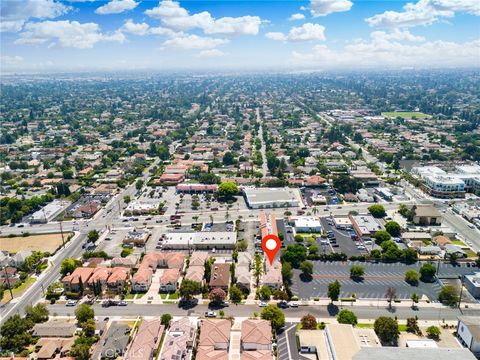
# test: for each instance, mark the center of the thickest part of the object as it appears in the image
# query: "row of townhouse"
(173, 263)
(83, 278)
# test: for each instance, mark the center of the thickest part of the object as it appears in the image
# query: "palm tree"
(315, 210)
(211, 219)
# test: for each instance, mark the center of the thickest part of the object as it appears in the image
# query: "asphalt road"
(319, 311)
(263, 148)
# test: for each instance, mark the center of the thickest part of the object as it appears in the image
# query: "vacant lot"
(45, 242)
(406, 114)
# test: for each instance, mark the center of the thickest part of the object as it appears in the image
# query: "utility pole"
(61, 232)
(8, 281)
(461, 292)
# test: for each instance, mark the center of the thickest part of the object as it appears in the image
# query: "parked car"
(122, 303)
(71, 303)
(293, 304)
(210, 314)
(262, 304)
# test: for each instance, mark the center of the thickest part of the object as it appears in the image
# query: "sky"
(45, 36)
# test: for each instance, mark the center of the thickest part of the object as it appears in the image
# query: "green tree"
(265, 292)
(80, 351)
(334, 290)
(412, 277)
(228, 158)
(189, 288)
(309, 322)
(67, 174)
(427, 272)
(381, 236)
(386, 329)
(410, 256)
(139, 184)
(89, 327)
(236, 295)
(227, 190)
(294, 254)
(433, 332)
(448, 295)
(357, 272)
(393, 228)
(93, 236)
(390, 294)
(165, 319)
(83, 313)
(377, 211)
(274, 315)
(242, 245)
(307, 268)
(37, 313)
(414, 298)
(69, 265)
(14, 333)
(287, 272)
(347, 317)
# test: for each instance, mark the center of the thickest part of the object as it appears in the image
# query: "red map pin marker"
(270, 245)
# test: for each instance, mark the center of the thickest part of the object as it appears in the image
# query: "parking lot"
(344, 240)
(378, 278)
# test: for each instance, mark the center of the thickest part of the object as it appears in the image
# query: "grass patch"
(402, 327)
(173, 296)
(470, 253)
(458, 243)
(129, 296)
(364, 326)
(163, 296)
(406, 114)
(19, 290)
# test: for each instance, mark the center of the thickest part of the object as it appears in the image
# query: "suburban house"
(451, 249)
(169, 280)
(214, 341)
(243, 277)
(49, 348)
(220, 277)
(77, 279)
(273, 275)
(196, 273)
(198, 258)
(147, 341)
(142, 279)
(179, 341)
(99, 277)
(171, 260)
(256, 340)
(54, 329)
(129, 261)
(118, 279)
(114, 343)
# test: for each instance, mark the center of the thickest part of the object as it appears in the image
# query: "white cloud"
(326, 7)
(66, 34)
(173, 16)
(210, 53)
(116, 7)
(297, 16)
(188, 42)
(141, 29)
(7, 60)
(380, 52)
(424, 12)
(306, 32)
(396, 34)
(135, 28)
(14, 14)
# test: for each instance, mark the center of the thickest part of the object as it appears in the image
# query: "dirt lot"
(47, 242)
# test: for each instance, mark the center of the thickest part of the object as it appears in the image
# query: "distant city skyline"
(87, 35)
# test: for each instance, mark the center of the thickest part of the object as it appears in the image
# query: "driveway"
(287, 344)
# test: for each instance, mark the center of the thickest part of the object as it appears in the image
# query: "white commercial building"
(468, 332)
(307, 224)
(205, 240)
(49, 212)
(263, 198)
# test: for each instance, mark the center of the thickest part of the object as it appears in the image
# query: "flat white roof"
(202, 237)
(270, 195)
